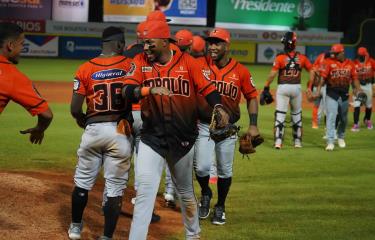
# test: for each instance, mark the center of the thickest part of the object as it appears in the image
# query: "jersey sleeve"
(325, 69)
(203, 85)
(277, 63)
(306, 63)
(135, 76)
(80, 81)
(353, 72)
(247, 85)
(25, 94)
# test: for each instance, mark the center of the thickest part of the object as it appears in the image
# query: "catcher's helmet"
(289, 40)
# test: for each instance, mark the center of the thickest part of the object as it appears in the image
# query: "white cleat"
(330, 147)
(74, 231)
(133, 200)
(297, 143)
(341, 143)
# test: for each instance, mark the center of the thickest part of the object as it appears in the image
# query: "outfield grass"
(288, 194)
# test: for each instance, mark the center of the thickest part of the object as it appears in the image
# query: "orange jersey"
(230, 81)
(317, 67)
(101, 80)
(15, 86)
(170, 122)
(338, 76)
(290, 66)
(365, 71)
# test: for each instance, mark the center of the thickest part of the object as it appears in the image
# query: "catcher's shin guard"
(297, 125)
(279, 125)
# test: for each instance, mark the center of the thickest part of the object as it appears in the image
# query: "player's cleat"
(278, 145)
(133, 200)
(330, 147)
(341, 142)
(297, 143)
(155, 218)
(218, 217)
(104, 238)
(213, 180)
(74, 231)
(355, 128)
(368, 123)
(204, 206)
(169, 200)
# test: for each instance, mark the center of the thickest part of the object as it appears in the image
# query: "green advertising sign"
(271, 14)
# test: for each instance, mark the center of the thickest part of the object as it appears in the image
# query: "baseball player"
(288, 66)
(107, 139)
(16, 86)
(318, 103)
(169, 124)
(184, 40)
(338, 73)
(365, 68)
(230, 78)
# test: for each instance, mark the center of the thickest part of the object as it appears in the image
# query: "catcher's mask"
(289, 40)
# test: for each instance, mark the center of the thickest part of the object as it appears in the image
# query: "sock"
(368, 113)
(79, 201)
(223, 185)
(112, 211)
(203, 182)
(315, 115)
(356, 115)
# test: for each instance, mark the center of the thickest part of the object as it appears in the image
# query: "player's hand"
(36, 135)
(160, 91)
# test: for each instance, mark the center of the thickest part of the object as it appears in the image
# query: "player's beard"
(217, 55)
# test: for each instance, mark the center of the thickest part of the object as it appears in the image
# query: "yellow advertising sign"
(136, 8)
(243, 51)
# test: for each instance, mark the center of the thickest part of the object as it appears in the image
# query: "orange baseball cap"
(337, 48)
(220, 33)
(184, 38)
(198, 44)
(157, 15)
(156, 29)
(362, 51)
(140, 29)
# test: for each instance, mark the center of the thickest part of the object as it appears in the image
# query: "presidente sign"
(271, 14)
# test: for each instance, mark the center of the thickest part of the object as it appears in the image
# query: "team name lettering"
(226, 89)
(340, 73)
(177, 85)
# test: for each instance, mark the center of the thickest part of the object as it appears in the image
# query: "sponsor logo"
(76, 84)
(268, 53)
(264, 6)
(305, 8)
(147, 69)
(108, 74)
(139, 3)
(234, 77)
(71, 3)
(181, 69)
(185, 144)
(71, 46)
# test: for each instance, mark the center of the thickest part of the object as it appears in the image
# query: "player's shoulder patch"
(76, 84)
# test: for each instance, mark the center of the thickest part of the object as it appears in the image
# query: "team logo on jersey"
(206, 73)
(76, 84)
(131, 70)
(147, 69)
(333, 65)
(108, 74)
(227, 89)
(176, 85)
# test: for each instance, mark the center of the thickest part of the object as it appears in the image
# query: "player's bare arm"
(76, 109)
(270, 78)
(37, 132)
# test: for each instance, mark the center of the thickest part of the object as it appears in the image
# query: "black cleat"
(218, 217)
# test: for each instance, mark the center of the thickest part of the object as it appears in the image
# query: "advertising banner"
(30, 26)
(79, 47)
(40, 46)
(242, 51)
(187, 12)
(25, 9)
(267, 52)
(313, 51)
(70, 10)
(271, 14)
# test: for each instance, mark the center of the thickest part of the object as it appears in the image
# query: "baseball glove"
(362, 98)
(266, 96)
(220, 129)
(249, 143)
